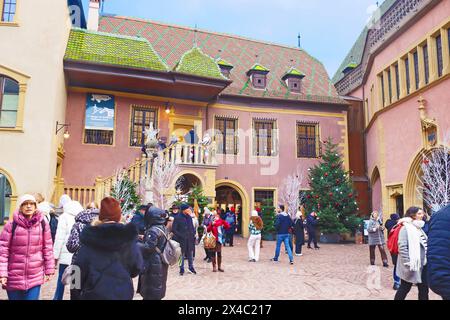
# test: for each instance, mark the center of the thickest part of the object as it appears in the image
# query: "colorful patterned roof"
(258, 67)
(356, 52)
(112, 49)
(197, 63)
(224, 63)
(171, 42)
(293, 72)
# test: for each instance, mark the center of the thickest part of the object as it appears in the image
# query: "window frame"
(97, 133)
(259, 76)
(133, 109)
(291, 81)
(317, 146)
(224, 134)
(265, 190)
(273, 138)
(426, 63)
(13, 22)
(408, 75)
(3, 79)
(416, 69)
(439, 56)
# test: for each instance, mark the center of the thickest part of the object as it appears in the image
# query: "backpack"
(393, 239)
(171, 252)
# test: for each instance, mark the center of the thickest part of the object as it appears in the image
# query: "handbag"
(210, 241)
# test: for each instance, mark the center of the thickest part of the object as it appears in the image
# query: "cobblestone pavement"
(335, 272)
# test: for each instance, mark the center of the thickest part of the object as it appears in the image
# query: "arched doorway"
(229, 197)
(8, 196)
(186, 182)
(232, 193)
(377, 194)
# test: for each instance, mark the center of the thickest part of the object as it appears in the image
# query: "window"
(261, 196)
(264, 139)
(408, 80)
(308, 140)
(448, 37)
(426, 61)
(390, 85)
(382, 90)
(8, 10)
(397, 82)
(440, 62)
(259, 81)
(140, 121)
(9, 102)
(103, 137)
(416, 68)
(295, 85)
(227, 138)
(225, 72)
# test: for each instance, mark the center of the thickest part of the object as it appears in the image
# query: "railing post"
(98, 190)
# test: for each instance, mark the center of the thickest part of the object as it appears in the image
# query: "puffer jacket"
(376, 235)
(108, 259)
(439, 253)
(152, 282)
(82, 220)
(28, 256)
(65, 224)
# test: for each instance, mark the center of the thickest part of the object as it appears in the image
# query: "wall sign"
(100, 110)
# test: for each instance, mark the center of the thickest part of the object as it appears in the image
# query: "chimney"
(93, 14)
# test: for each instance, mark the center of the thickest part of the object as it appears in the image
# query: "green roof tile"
(222, 62)
(197, 63)
(294, 72)
(112, 49)
(258, 67)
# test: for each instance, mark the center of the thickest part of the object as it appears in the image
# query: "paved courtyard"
(335, 272)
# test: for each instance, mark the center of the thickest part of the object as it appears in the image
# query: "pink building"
(399, 67)
(267, 108)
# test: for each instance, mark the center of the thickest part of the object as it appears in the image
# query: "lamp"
(167, 108)
(60, 126)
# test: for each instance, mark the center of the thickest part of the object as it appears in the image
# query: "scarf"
(414, 242)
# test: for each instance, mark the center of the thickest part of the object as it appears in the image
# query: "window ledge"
(8, 24)
(17, 129)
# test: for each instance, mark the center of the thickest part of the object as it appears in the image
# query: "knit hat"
(184, 206)
(26, 197)
(73, 208)
(110, 210)
(63, 200)
(395, 216)
(44, 207)
(255, 213)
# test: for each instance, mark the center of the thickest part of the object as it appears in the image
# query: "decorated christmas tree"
(268, 217)
(125, 191)
(331, 193)
(197, 196)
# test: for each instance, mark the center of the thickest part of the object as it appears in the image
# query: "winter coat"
(214, 227)
(311, 223)
(376, 235)
(152, 282)
(82, 220)
(65, 224)
(184, 232)
(231, 219)
(108, 259)
(439, 253)
(282, 223)
(28, 256)
(52, 219)
(403, 271)
(138, 221)
(207, 221)
(299, 231)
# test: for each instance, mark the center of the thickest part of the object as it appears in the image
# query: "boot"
(214, 264)
(219, 262)
(372, 255)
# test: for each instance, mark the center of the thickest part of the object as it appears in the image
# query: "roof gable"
(197, 63)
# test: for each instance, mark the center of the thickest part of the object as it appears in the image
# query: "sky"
(328, 28)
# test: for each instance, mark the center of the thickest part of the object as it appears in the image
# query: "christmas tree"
(202, 201)
(331, 193)
(268, 217)
(124, 191)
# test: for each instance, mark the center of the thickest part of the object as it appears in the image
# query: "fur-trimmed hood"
(108, 236)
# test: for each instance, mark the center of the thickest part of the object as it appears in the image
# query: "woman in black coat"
(109, 256)
(299, 234)
(152, 282)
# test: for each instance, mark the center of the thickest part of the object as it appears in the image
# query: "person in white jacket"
(62, 256)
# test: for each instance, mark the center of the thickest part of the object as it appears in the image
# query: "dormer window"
(349, 67)
(293, 79)
(258, 76)
(225, 67)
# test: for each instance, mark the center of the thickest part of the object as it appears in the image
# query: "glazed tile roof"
(225, 63)
(356, 52)
(293, 72)
(171, 42)
(98, 47)
(197, 63)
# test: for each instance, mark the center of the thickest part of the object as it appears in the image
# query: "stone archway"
(187, 181)
(236, 192)
(377, 190)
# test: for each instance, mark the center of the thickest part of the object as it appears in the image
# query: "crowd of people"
(108, 251)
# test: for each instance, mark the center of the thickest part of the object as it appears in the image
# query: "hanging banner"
(99, 112)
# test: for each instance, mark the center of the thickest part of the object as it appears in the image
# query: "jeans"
(253, 245)
(190, 257)
(405, 287)
(30, 294)
(59, 293)
(395, 276)
(291, 241)
(285, 239)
